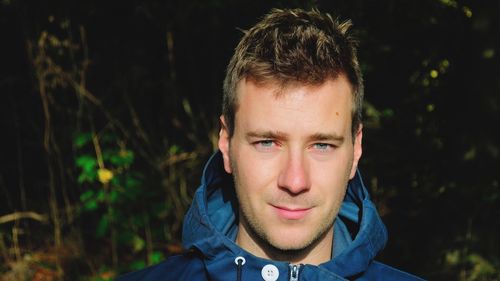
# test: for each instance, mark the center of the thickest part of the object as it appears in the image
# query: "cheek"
(332, 176)
(330, 187)
(252, 164)
(253, 173)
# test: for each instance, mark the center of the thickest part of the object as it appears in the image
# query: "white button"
(270, 272)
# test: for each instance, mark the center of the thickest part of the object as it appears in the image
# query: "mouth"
(291, 213)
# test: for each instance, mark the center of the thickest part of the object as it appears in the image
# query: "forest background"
(109, 110)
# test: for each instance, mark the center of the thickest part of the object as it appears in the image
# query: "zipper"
(294, 272)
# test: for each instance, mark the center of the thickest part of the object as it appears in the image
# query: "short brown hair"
(289, 46)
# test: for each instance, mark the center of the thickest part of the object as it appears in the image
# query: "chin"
(290, 241)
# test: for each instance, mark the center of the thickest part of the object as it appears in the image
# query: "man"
(282, 199)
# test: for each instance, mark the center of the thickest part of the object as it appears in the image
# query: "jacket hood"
(211, 226)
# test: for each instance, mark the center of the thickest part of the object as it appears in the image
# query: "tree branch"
(23, 215)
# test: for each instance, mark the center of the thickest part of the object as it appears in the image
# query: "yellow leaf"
(104, 175)
(467, 11)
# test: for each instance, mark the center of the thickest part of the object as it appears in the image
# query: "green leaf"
(187, 107)
(86, 195)
(101, 196)
(388, 113)
(123, 158)
(138, 243)
(131, 182)
(82, 178)
(89, 176)
(115, 181)
(156, 257)
(86, 162)
(90, 205)
(102, 227)
(82, 139)
(136, 265)
(174, 149)
(113, 196)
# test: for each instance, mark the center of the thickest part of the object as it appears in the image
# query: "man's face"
(291, 155)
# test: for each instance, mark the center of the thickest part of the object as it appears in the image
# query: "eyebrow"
(326, 137)
(283, 136)
(267, 135)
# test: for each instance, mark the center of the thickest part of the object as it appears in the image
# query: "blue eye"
(322, 146)
(266, 143)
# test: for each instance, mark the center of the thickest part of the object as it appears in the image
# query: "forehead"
(294, 106)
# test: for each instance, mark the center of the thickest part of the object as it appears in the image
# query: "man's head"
(291, 134)
(290, 46)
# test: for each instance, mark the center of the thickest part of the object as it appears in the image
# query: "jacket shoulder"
(187, 266)
(380, 271)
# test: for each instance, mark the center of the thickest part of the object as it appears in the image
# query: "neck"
(319, 251)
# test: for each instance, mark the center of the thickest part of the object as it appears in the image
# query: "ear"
(357, 151)
(224, 144)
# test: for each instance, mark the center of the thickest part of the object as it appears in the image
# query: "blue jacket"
(211, 225)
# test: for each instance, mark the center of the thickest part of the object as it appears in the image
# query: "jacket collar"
(211, 225)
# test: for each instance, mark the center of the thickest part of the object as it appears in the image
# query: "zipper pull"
(294, 272)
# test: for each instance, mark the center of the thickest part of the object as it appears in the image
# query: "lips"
(289, 213)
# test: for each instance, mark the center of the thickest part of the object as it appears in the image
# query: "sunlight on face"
(291, 156)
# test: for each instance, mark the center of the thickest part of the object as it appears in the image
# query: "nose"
(294, 177)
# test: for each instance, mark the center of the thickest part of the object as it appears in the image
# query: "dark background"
(109, 110)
